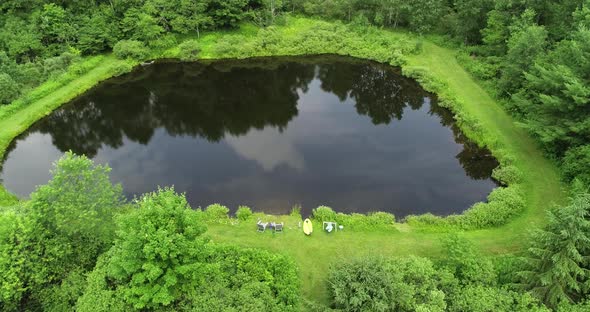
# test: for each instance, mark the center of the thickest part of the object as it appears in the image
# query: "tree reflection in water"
(230, 99)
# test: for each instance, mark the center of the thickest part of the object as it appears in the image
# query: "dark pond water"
(269, 133)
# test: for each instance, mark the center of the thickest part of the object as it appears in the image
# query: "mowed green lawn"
(315, 253)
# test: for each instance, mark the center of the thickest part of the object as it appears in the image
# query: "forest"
(78, 245)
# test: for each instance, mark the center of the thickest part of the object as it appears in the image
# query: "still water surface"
(269, 133)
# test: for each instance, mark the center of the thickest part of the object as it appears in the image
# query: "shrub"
(189, 50)
(120, 68)
(229, 46)
(380, 218)
(243, 213)
(131, 49)
(59, 64)
(255, 279)
(507, 175)
(216, 212)
(9, 89)
(425, 219)
(6, 198)
(296, 211)
(324, 213)
(375, 284)
(164, 42)
(504, 203)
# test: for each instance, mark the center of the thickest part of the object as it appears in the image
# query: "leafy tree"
(471, 17)
(138, 25)
(425, 15)
(362, 285)
(14, 268)
(527, 41)
(496, 33)
(392, 13)
(478, 298)
(466, 264)
(374, 284)
(226, 13)
(98, 32)
(556, 267)
(54, 25)
(57, 236)
(556, 98)
(20, 39)
(159, 255)
(78, 202)
(132, 49)
(9, 89)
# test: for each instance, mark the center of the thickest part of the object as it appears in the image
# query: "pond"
(269, 133)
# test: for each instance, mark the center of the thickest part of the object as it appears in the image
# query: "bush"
(244, 213)
(380, 218)
(9, 89)
(121, 68)
(503, 204)
(375, 284)
(130, 49)
(189, 50)
(296, 211)
(507, 175)
(164, 42)
(354, 220)
(59, 64)
(324, 213)
(6, 198)
(216, 212)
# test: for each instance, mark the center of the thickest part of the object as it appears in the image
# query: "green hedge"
(503, 204)
(354, 220)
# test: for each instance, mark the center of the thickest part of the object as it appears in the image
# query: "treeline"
(39, 38)
(533, 53)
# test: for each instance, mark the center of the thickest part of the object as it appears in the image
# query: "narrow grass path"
(541, 178)
(17, 122)
(314, 254)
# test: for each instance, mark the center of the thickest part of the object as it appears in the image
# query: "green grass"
(314, 254)
(21, 114)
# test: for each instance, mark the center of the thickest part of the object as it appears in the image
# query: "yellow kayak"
(307, 227)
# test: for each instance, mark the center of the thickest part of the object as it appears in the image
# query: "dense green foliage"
(552, 274)
(57, 236)
(152, 253)
(75, 244)
(535, 55)
(557, 267)
(463, 281)
(369, 221)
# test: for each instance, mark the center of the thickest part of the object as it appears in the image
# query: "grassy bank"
(479, 115)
